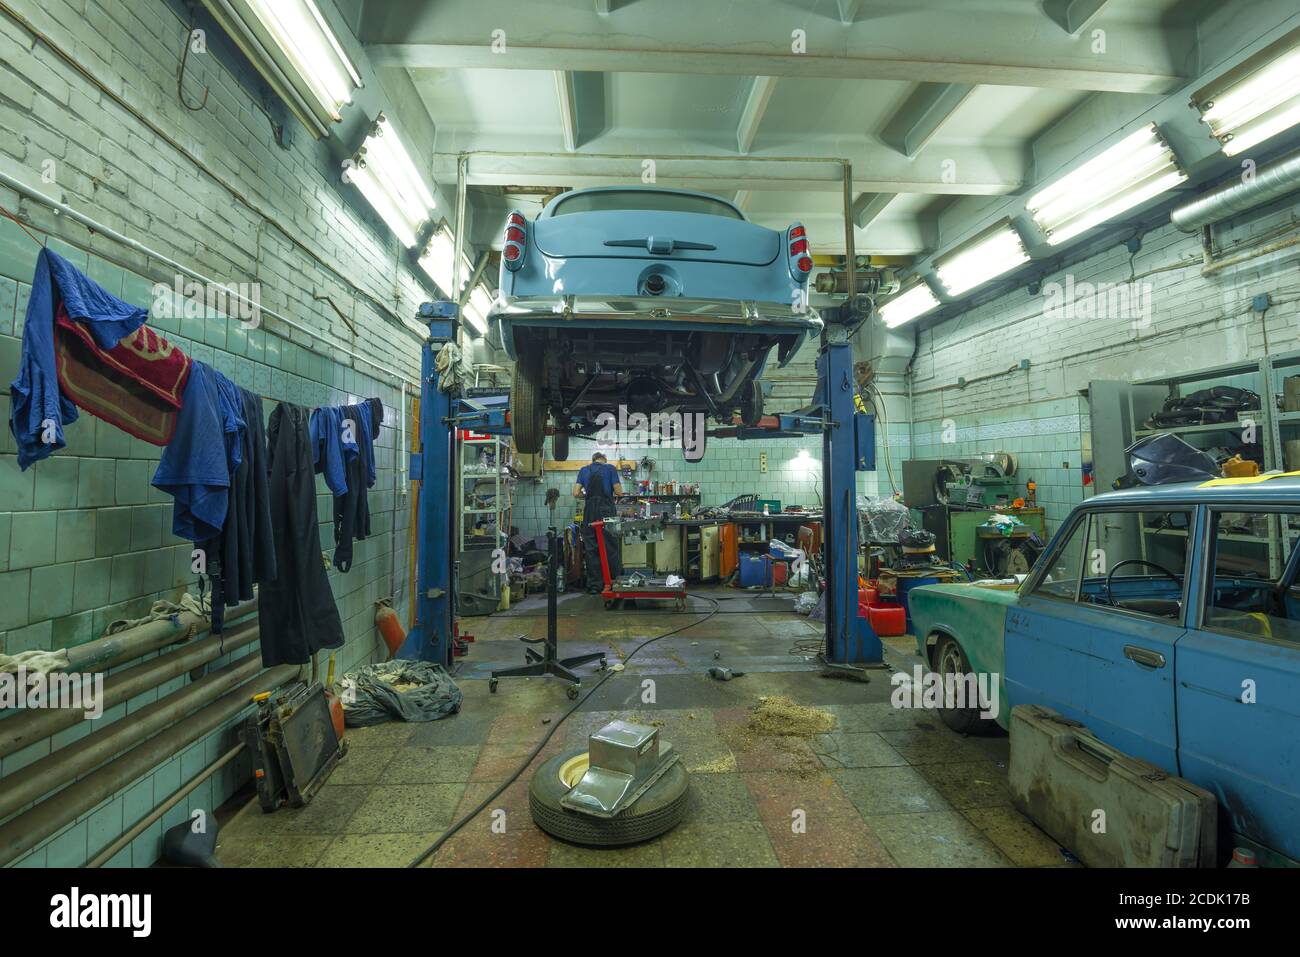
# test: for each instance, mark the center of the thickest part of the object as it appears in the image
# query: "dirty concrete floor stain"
(883, 787)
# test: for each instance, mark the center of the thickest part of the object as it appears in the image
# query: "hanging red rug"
(138, 385)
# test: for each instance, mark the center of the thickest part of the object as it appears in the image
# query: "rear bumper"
(650, 312)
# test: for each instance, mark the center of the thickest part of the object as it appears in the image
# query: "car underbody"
(581, 373)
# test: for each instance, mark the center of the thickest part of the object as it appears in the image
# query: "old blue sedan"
(1167, 620)
(654, 300)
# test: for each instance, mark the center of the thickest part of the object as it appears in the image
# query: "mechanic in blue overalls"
(596, 487)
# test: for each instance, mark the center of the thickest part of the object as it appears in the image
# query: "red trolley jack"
(615, 592)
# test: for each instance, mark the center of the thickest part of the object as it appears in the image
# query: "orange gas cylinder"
(334, 702)
(390, 627)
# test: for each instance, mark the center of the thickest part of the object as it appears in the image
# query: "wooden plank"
(573, 466)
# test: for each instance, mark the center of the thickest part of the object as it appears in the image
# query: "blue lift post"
(848, 447)
(435, 557)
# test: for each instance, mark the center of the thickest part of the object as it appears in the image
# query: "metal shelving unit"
(1259, 375)
(479, 482)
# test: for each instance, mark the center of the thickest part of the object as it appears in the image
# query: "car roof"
(641, 189)
(1281, 490)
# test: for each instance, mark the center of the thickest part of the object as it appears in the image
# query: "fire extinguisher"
(390, 626)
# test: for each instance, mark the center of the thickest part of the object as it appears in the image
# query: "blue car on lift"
(1167, 620)
(658, 300)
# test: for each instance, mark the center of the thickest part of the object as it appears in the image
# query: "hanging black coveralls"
(352, 511)
(297, 611)
(598, 480)
(244, 552)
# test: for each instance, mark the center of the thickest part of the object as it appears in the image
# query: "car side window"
(1252, 594)
(1064, 564)
(1137, 561)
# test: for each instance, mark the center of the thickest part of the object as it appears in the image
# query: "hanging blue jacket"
(329, 451)
(197, 464)
(36, 400)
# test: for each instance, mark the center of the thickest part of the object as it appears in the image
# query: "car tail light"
(798, 253)
(516, 241)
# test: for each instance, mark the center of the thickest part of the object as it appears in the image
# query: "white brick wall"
(114, 168)
(1196, 322)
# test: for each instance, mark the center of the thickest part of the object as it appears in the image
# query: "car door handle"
(1144, 656)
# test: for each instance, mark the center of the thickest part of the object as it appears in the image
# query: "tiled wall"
(1195, 322)
(728, 469)
(84, 538)
(1050, 440)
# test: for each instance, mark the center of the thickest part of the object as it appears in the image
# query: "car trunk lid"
(642, 234)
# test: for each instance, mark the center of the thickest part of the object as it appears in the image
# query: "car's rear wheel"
(952, 665)
(527, 414)
(560, 446)
(751, 404)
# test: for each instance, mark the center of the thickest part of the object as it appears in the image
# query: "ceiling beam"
(1073, 16)
(983, 174)
(581, 97)
(868, 206)
(751, 115)
(920, 117)
(568, 108)
(1005, 45)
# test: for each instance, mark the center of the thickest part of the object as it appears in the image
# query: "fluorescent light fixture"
(1256, 99)
(907, 305)
(292, 46)
(437, 259)
(476, 309)
(387, 177)
(1137, 168)
(988, 255)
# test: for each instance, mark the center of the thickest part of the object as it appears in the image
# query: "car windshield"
(624, 199)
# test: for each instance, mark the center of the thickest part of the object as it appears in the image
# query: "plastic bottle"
(1243, 857)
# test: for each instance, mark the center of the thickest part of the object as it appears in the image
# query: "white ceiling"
(948, 110)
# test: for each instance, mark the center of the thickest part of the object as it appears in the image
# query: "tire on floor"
(659, 809)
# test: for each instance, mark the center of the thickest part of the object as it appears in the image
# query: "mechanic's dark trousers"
(598, 507)
(297, 611)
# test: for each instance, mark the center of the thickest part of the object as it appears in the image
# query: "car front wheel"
(951, 663)
(527, 414)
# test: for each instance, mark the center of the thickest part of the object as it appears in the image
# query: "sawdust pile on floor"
(779, 716)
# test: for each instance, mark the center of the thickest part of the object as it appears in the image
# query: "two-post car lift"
(848, 447)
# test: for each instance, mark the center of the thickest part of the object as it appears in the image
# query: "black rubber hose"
(532, 755)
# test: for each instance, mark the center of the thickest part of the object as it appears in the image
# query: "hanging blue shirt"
(36, 399)
(196, 465)
(331, 449)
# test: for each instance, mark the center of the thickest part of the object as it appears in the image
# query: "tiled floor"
(885, 787)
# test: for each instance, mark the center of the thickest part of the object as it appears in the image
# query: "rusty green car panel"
(975, 615)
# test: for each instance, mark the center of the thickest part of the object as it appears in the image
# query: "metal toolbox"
(1107, 808)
